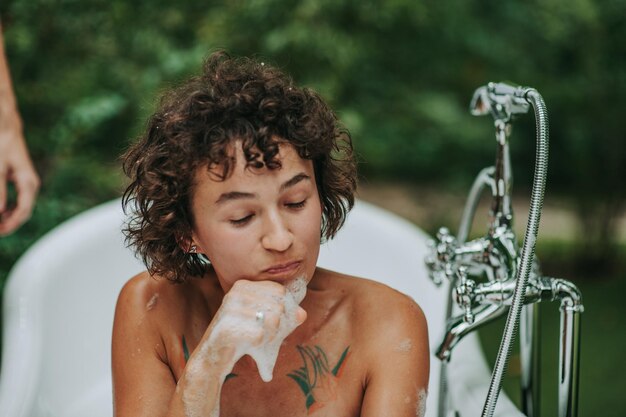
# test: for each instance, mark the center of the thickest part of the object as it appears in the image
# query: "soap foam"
(153, 301)
(421, 403)
(404, 346)
(264, 355)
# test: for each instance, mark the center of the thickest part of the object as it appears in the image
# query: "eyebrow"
(294, 180)
(239, 195)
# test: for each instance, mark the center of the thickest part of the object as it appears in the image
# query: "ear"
(193, 247)
(188, 244)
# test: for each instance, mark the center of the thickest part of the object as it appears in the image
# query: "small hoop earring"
(193, 249)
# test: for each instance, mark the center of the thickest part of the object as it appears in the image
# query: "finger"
(267, 287)
(26, 191)
(259, 292)
(271, 326)
(9, 222)
(235, 328)
(253, 302)
(27, 186)
(301, 315)
(3, 190)
(271, 321)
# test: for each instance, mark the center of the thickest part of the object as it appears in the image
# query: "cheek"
(310, 228)
(311, 237)
(230, 253)
(225, 244)
(221, 244)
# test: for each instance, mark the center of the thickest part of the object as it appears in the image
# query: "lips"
(283, 268)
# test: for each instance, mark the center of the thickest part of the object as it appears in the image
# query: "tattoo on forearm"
(316, 379)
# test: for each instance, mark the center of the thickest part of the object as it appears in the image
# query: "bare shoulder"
(144, 315)
(146, 312)
(374, 300)
(383, 315)
(142, 293)
(390, 329)
(137, 290)
(146, 303)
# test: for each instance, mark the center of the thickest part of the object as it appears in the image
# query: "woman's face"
(259, 224)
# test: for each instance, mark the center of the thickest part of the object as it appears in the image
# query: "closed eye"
(242, 221)
(297, 205)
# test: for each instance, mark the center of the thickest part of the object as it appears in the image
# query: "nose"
(277, 235)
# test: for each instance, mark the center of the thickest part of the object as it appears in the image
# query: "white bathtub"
(60, 298)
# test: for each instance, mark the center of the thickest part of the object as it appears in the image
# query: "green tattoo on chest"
(185, 350)
(316, 378)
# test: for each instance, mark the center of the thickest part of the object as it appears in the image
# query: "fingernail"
(302, 315)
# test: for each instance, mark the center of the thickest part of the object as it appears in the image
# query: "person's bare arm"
(15, 163)
(142, 381)
(143, 384)
(397, 379)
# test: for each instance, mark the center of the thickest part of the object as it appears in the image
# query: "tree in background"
(400, 72)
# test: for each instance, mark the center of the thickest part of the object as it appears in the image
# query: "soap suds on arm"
(404, 346)
(153, 301)
(264, 355)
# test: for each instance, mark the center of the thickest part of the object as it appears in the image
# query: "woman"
(239, 176)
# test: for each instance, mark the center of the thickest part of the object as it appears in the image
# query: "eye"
(297, 205)
(242, 221)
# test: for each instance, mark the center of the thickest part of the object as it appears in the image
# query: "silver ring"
(260, 316)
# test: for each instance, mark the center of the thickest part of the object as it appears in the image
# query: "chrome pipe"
(530, 357)
(528, 249)
(501, 209)
(569, 347)
(569, 362)
(442, 406)
(484, 179)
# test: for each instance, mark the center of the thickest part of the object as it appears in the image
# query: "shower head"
(501, 100)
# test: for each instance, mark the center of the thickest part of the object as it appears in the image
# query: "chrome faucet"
(489, 276)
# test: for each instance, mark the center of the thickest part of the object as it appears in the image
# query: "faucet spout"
(490, 300)
(458, 327)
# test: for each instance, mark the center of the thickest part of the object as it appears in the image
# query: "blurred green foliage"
(400, 74)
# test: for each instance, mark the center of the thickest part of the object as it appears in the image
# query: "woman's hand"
(251, 315)
(253, 319)
(15, 164)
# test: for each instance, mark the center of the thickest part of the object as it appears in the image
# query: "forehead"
(245, 177)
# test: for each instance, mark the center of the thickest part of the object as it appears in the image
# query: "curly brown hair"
(196, 124)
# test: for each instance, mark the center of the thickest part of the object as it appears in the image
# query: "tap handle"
(440, 261)
(465, 294)
(502, 100)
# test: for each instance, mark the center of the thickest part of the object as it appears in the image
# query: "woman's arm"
(143, 383)
(15, 163)
(397, 379)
